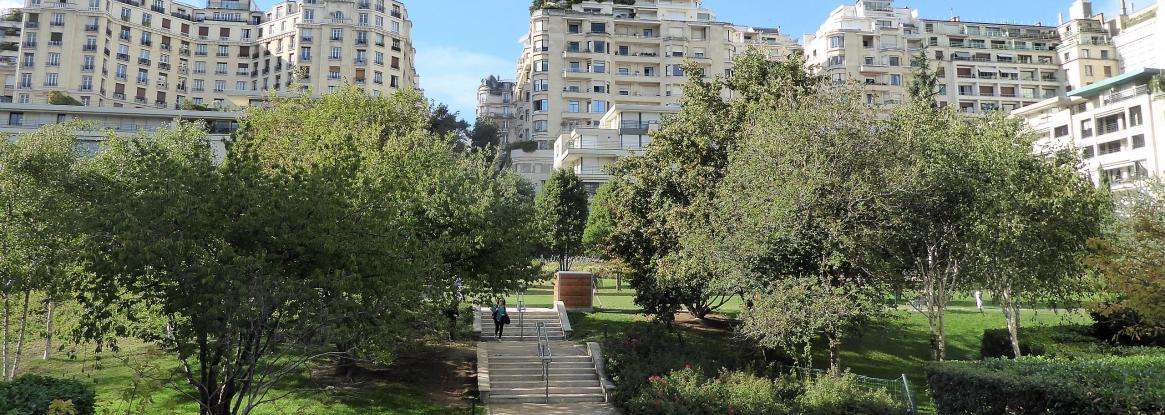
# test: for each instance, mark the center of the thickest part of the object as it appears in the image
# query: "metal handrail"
(546, 356)
(521, 315)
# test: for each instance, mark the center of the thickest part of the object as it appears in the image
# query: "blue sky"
(460, 41)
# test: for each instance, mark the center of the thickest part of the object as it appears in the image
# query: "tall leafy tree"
(562, 213)
(599, 220)
(924, 82)
(1034, 217)
(665, 193)
(800, 206)
(38, 188)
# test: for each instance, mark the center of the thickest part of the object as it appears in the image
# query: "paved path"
(566, 409)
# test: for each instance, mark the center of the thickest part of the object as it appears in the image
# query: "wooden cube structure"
(574, 289)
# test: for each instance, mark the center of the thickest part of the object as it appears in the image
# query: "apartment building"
(1118, 122)
(580, 62)
(982, 66)
(10, 25)
(495, 101)
(167, 54)
(623, 131)
(98, 122)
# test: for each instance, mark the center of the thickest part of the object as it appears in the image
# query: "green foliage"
(600, 220)
(1130, 259)
(1035, 385)
(41, 395)
(663, 210)
(62, 98)
(562, 215)
(688, 391)
(925, 81)
(190, 105)
(1072, 341)
(829, 395)
(1157, 83)
(446, 123)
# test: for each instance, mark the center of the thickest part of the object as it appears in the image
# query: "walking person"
(501, 318)
(979, 300)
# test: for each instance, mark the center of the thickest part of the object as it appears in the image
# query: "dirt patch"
(712, 324)
(446, 373)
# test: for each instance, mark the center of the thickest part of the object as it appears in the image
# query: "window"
(1089, 152)
(573, 106)
(540, 126)
(1110, 147)
(1109, 124)
(541, 85)
(1138, 141)
(541, 65)
(1086, 128)
(1135, 117)
(574, 28)
(837, 41)
(15, 118)
(1061, 131)
(337, 34)
(1088, 70)
(895, 79)
(895, 61)
(541, 105)
(599, 106)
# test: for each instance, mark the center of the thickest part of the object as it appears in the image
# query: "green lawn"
(887, 349)
(133, 382)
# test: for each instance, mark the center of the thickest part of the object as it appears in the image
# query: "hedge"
(1039, 385)
(1074, 342)
(32, 394)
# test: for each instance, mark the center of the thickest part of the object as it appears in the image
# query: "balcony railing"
(1126, 95)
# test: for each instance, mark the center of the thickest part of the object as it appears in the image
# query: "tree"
(925, 82)
(1033, 218)
(446, 123)
(562, 212)
(801, 208)
(38, 188)
(599, 221)
(929, 222)
(1158, 83)
(665, 193)
(1130, 259)
(61, 98)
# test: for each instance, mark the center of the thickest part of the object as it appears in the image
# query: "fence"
(898, 389)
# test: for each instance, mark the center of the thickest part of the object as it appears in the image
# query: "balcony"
(87, 68)
(29, 44)
(119, 96)
(89, 48)
(163, 66)
(32, 24)
(1126, 95)
(143, 61)
(90, 28)
(123, 57)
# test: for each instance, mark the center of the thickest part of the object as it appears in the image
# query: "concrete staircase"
(510, 371)
(515, 374)
(523, 326)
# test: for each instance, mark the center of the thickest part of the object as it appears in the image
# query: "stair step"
(519, 377)
(541, 389)
(541, 398)
(533, 360)
(553, 365)
(539, 383)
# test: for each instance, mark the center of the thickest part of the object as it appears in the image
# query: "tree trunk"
(48, 329)
(934, 283)
(834, 354)
(1011, 314)
(7, 331)
(20, 341)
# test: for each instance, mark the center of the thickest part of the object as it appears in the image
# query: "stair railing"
(546, 356)
(521, 315)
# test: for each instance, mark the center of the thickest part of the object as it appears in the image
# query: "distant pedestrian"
(979, 300)
(501, 318)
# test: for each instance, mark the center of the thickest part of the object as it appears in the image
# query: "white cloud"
(11, 4)
(451, 75)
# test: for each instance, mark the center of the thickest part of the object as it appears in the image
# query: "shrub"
(1115, 323)
(34, 394)
(1038, 385)
(827, 395)
(1073, 342)
(61, 98)
(689, 391)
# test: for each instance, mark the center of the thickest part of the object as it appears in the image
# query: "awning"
(1008, 70)
(1118, 80)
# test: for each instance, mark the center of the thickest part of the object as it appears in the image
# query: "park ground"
(439, 380)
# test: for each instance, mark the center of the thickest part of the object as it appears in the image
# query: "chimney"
(1081, 9)
(1124, 7)
(1061, 18)
(956, 19)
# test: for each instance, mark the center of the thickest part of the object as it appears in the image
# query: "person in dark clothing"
(501, 318)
